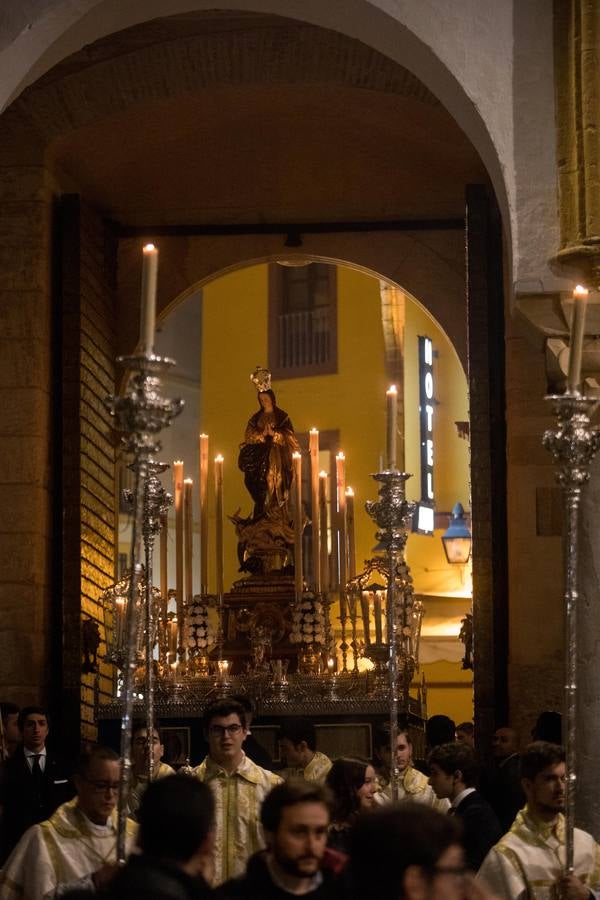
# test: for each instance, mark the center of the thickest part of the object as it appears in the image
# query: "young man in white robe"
(529, 861)
(76, 846)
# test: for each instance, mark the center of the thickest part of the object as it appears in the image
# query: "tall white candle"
(340, 471)
(350, 531)
(188, 484)
(316, 524)
(164, 574)
(203, 513)
(148, 300)
(179, 586)
(392, 426)
(298, 574)
(219, 522)
(580, 299)
(323, 548)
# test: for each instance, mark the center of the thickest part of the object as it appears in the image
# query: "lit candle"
(392, 425)
(188, 484)
(172, 632)
(314, 487)
(364, 605)
(164, 576)
(350, 530)
(377, 617)
(340, 472)
(298, 523)
(323, 549)
(178, 478)
(148, 302)
(223, 669)
(203, 514)
(219, 522)
(580, 299)
(120, 621)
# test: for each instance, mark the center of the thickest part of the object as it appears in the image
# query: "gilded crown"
(261, 378)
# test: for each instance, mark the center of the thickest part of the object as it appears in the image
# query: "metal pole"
(573, 445)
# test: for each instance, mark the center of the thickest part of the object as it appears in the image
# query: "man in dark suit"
(35, 782)
(453, 774)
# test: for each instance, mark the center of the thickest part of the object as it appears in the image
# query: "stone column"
(577, 61)
(587, 803)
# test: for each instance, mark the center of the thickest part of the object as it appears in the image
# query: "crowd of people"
(324, 829)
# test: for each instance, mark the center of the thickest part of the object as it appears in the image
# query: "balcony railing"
(305, 338)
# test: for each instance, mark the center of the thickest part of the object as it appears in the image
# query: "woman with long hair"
(353, 783)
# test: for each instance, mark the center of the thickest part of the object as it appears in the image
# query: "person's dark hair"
(344, 779)
(31, 711)
(456, 757)
(538, 756)
(297, 730)
(439, 730)
(175, 816)
(8, 709)
(290, 793)
(221, 709)
(139, 724)
(466, 728)
(245, 701)
(381, 736)
(548, 727)
(91, 753)
(386, 842)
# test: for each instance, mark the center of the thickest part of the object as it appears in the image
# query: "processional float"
(181, 655)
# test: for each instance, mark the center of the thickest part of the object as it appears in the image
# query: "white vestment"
(529, 860)
(413, 787)
(60, 854)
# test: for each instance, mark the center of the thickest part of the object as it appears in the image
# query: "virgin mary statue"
(266, 454)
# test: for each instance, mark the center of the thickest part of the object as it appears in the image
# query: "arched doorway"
(228, 163)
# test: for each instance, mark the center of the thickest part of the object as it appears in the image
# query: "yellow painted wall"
(449, 691)
(235, 312)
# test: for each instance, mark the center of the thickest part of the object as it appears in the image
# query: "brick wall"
(88, 259)
(25, 432)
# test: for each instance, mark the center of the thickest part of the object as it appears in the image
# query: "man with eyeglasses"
(76, 846)
(139, 768)
(239, 787)
(409, 852)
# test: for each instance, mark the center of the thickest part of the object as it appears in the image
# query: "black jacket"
(257, 884)
(501, 787)
(153, 879)
(22, 804)
(481, 828)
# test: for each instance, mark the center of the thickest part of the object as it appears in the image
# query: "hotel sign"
(426, 405)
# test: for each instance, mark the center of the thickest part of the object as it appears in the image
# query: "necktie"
(36, 773)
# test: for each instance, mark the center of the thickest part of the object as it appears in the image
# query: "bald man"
(501, 783)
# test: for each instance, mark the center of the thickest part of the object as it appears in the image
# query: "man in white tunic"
(239, 787)
(139, 768)
(528, 863)
(413, 786)
(298, 743)
(76, 846)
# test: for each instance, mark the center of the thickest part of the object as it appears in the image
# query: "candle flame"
(219, 458)
(296, 455)
(340, 455)
(177, 462)
(580, 291)
(349, 492)
(150, 248)
(314, 430)
(204, 436)
(323, 474)
(392, 390)
(188, 480)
